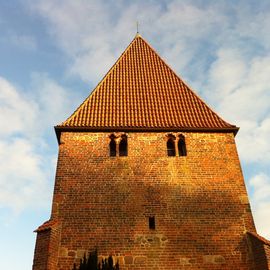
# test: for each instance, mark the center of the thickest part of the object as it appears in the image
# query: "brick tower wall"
(199, 202)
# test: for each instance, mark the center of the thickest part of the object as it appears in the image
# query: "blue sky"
(53, 53)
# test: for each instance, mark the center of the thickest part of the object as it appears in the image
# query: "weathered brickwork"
(199, 202)
(260, 250)
(42, 250)
(46, 250)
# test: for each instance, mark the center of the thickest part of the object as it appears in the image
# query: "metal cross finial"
(137, 27)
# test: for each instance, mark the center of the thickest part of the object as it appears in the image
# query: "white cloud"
(79, 27)
(254, 25)
(55, 103)
(226, 73)
(253, 142)
(30, 113)
(260, 184)
(16, 112)
(24, 119)
(240, 88)
(93, 63)
(250, 99)
(23, 183)
(94, 33)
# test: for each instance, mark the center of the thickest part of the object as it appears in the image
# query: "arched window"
(182, 150)
(170, 147)
(123, 146)
(112, 147)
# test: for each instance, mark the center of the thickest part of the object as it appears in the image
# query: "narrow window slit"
(152, 223)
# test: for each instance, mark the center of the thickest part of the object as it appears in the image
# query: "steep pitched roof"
(140, 92)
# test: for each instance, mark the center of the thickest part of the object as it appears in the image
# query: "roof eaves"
(260, 238)
(59, 129)
(47, 225)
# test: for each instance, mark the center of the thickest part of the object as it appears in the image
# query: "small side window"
(123, 151)
(170, 147)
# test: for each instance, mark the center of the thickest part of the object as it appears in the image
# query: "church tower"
(148, 174)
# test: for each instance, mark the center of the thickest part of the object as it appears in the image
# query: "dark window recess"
(123, 147)
(182, 150)
(170, 148)
(112, 148)
(152, 223)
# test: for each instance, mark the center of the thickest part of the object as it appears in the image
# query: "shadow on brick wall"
(91, 263)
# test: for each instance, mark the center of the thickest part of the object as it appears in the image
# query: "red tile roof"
(140, 92)
(47, 225)
(260, 238)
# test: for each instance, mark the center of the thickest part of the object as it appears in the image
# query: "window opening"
(182, 146)
(112, 148)
(152, 223)
(170, 148)
(123, 147)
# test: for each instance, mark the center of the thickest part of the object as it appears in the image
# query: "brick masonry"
(199, 202)
(260, 249)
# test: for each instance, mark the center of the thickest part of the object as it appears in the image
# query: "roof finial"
(137, 25)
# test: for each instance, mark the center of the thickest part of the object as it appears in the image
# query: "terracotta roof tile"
(47, 225)
(141, 91)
